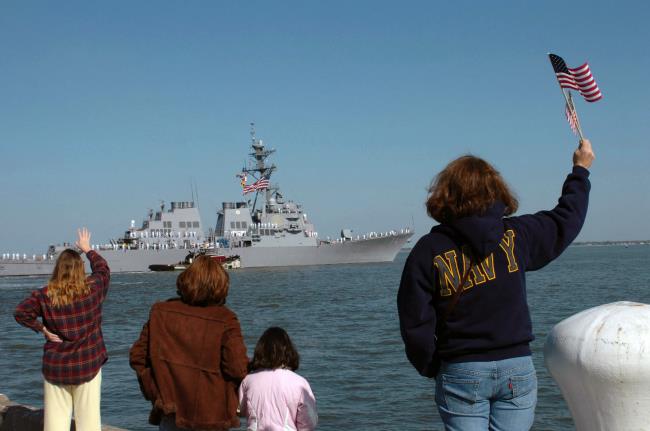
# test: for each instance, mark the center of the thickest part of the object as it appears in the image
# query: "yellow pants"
(84, 399)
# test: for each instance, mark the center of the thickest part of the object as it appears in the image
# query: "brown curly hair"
(468, 186)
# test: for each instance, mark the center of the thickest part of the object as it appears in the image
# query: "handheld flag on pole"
(579, 79)
(571, 118)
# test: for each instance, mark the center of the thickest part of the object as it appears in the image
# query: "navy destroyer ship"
(271, 231)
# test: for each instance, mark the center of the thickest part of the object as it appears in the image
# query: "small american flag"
(579, 79)
(571, 118)
(262, 183)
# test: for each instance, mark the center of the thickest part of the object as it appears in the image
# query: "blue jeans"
(497, 395)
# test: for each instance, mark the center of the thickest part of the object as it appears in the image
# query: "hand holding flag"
(584, 155)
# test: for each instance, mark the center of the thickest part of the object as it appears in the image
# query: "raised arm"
(548, 233)
(101, 273)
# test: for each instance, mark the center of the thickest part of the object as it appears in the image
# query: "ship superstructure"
(271, 221)
(178, 227)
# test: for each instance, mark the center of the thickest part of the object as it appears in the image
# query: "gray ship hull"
(382, 249)
(377, 249)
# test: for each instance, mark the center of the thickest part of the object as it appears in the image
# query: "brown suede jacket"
(190, 361)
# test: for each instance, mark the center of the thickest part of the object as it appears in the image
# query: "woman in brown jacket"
(190, 357)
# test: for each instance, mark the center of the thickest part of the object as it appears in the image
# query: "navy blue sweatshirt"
(491, 320)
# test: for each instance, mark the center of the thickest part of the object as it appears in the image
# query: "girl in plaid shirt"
(70, 311)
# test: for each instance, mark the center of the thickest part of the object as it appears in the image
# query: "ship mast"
(259, 155)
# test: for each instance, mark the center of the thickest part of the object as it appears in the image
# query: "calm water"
(344, 324)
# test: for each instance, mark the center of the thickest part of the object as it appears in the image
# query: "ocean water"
(343, 321)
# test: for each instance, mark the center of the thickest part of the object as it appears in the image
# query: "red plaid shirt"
(82, 353)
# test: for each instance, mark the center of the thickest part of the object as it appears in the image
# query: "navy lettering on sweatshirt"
(491, 320)
(450, 276)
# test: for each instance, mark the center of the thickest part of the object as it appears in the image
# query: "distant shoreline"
(590, 243)
(603, 243)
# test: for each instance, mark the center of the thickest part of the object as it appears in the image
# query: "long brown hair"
(68, 280)
(204, 282)
(468, 186)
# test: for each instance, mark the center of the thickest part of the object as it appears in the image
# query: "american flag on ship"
(262, 183)
(579, 79)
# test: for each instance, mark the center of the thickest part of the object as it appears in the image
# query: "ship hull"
(382, 249)
(377, 249)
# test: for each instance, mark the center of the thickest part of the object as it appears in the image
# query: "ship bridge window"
(167, 224)
(244, 225)
(232, 225)
(181, 224)
(195, 224)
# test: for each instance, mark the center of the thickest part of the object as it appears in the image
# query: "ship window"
(232, 224)
(243, 225)
(195, 224)
(167, 224)
(181, 224)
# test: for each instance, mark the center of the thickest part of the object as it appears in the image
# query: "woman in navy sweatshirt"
(462, 299)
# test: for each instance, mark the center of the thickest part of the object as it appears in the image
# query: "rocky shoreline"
(18, 417)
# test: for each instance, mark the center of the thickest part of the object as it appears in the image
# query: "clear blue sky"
(106, 108)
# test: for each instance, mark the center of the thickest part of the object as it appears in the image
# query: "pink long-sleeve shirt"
(277, 400)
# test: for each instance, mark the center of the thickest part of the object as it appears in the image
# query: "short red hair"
(468, 186)
(204, 282)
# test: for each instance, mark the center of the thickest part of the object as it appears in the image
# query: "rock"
(17, 417)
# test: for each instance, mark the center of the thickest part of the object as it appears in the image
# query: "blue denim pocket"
(459, 394)
(524, 389)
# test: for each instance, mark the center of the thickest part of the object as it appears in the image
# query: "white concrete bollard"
(600, 359)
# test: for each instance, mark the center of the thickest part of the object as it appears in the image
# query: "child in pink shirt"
(273, 397)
